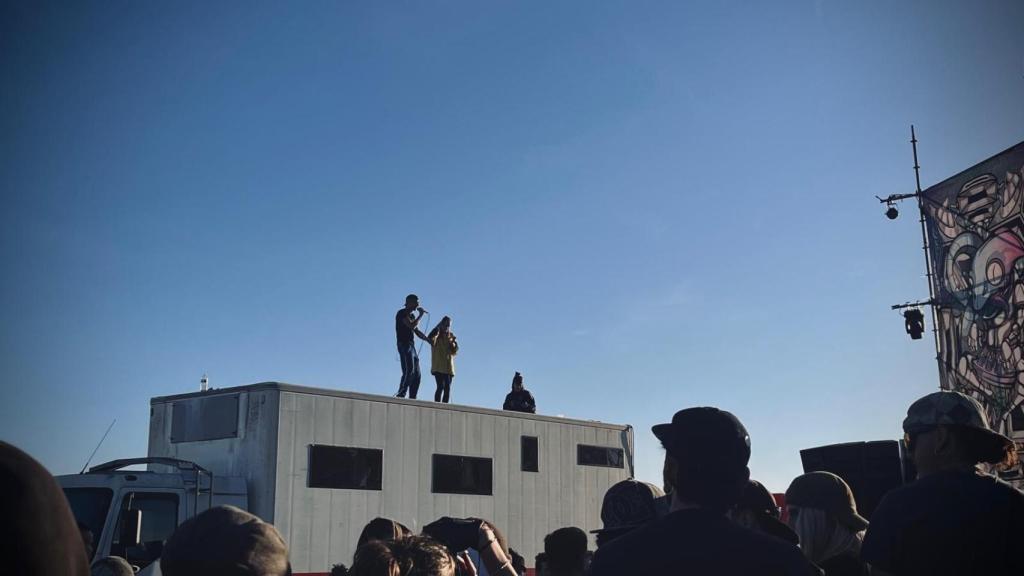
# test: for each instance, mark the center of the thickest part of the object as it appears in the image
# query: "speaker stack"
(870, 468)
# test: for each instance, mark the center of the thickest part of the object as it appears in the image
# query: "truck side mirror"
(131, 527)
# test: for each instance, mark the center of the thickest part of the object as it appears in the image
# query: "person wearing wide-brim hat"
(955, 518)
(823, 513)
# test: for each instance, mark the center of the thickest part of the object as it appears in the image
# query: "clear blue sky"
(642, 206)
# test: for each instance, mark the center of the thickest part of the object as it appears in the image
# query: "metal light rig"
(913, 316)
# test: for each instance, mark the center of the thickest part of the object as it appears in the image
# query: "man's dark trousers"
(410, 369)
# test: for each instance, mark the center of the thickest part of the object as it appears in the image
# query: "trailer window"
(599, 456)
(210, 418)
(528, 455)
(461, 475)
(342, 467)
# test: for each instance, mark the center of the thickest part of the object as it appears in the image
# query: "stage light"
(914, 323)
(892, 213)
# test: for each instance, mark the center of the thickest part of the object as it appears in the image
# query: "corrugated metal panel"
(322, 525)
(285, 462)
(504, 463)
(300, 545)
(427, 438)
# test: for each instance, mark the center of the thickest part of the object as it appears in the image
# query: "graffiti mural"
(975, 230)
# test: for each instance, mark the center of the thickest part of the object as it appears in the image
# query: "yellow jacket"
(442, 356)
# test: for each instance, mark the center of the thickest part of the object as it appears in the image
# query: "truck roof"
(297, 389)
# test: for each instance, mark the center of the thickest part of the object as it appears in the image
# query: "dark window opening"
(159, 520)
(90, 507)
(209, 418)
(342, 467)
(599, 456)
(528, 455)
(461, 475)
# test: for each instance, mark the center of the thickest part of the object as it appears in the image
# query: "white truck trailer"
(319, 464)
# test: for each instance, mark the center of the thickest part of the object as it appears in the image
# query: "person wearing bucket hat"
(709, 449)
(960, 419)
(757, 510)
(627, 505)
(823, 513)
(955, 518)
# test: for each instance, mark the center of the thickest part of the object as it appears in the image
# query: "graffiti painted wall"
(975, 224)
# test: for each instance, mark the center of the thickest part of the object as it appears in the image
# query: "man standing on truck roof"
(407, 325)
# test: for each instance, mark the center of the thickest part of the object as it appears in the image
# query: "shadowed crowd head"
(39, 535)
(709, 449)
(382, 529)
(408, 556)
(225, 541)
(566, 550)
(627, 505)
(949, 429)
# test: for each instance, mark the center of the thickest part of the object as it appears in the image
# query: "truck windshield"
(90, 507)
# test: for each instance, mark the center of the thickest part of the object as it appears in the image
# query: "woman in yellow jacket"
(442, 359)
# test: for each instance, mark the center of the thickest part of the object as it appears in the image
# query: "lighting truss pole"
(891, 201)
(929, 272)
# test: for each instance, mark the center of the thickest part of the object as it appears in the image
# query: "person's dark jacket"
(951, 522)
(520, 401)
(699, 542)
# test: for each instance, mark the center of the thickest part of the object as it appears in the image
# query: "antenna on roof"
(98, 446)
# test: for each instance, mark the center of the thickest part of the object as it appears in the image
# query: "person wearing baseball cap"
(955, 518)
(757, 510)
(627, 505)
(823, 513)
(710, 449)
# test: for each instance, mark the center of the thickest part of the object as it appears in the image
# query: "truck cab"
(131, 513)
